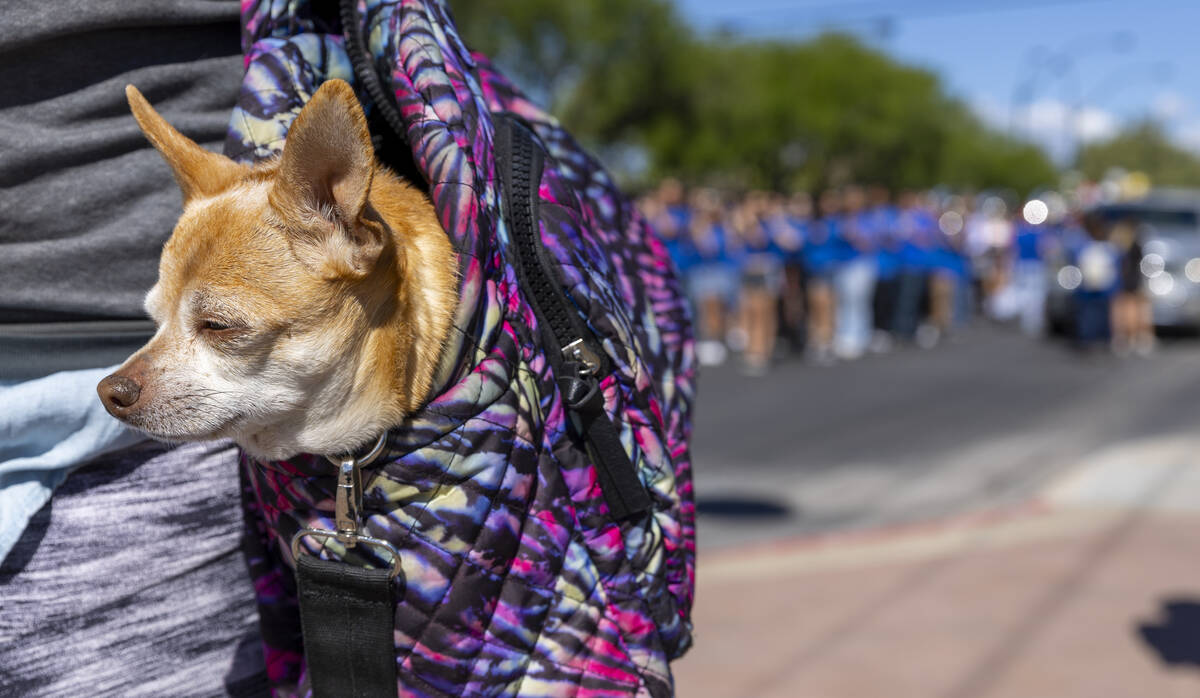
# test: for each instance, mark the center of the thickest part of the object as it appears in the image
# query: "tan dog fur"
(302, 304)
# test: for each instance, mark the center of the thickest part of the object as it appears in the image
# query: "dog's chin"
(266, 446)
(272, 453)
(176, 435)
(172, 437)
(271, 444)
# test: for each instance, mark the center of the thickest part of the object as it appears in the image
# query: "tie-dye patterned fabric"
(516, 580)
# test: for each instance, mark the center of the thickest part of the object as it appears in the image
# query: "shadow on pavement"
(1175, 634)
(742, 507)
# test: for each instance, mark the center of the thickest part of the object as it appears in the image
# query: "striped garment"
(518, 582)
(129, 583)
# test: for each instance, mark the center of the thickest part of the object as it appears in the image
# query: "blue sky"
(1059, 71)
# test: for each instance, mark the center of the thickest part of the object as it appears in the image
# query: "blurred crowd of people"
(861, 269)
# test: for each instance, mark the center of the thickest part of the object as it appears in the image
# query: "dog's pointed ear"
(324, 178)
(199, 172)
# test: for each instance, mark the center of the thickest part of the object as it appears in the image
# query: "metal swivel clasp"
(348, 510)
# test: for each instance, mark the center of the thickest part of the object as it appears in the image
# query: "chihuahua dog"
(302, 304)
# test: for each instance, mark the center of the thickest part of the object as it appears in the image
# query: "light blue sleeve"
(48, 427)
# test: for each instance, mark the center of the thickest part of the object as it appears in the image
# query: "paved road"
(983, 421)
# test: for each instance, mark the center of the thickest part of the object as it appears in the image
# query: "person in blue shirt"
(761, 263)
(821, 253)
(854, 278)
(949, 278)
(788, 222)
(667, 224)
(882, 218)
(917, 237)
(670, 217)
(1029, 274)
(712, 275)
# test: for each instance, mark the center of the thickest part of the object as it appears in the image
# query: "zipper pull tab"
(580, 390)
(581, 353)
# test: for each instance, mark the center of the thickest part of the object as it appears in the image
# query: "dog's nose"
(118, 393)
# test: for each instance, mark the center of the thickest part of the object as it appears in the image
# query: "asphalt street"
(982, 421)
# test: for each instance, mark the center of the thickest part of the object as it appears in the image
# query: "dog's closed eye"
(214, 317)
(223, 334)
(217, 326)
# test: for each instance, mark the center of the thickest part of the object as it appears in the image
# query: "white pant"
(854, 292)
(1029, 280)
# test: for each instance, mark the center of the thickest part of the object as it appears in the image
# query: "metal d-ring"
(348, 508)
(394, 555)
(366, 459)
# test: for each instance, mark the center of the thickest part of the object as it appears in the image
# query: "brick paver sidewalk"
(1093, 590)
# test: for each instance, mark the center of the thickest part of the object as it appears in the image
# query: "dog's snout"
(118, 393)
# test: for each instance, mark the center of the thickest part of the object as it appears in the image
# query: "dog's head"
(269, 293)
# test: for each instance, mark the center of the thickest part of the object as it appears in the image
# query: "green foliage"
(1145, 148)
(595, 63)
(725, 110)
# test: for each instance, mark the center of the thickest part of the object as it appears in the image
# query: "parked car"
(1168, 225)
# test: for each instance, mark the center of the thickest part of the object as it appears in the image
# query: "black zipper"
(572, 340)
(578, 361)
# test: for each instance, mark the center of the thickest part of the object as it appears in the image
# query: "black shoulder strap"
(347, 614)
(578, 361)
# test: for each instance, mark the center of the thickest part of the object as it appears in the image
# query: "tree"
(613, 71)
(721, 109)
(1142, 147)
(597, 64)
